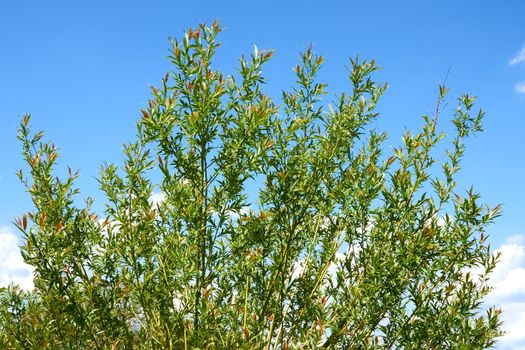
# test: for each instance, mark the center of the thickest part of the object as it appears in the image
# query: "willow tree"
(274, 226)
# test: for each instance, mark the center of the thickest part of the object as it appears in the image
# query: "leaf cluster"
(343, 247)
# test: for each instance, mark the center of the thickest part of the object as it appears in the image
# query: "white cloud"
(13, 269)
(236, 214)
(520, 87)
(157, 198)
(508, 281)
(519, 58)
(514, 325)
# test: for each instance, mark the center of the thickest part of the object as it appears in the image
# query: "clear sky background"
(82, 69)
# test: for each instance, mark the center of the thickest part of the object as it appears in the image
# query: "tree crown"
(343, 246)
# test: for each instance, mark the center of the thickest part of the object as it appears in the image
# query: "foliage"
(279, 227)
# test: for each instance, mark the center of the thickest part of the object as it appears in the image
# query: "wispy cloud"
(520, 87)
(519, 58)
(13, 269)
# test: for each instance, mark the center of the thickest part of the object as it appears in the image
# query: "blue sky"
(82, 70)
